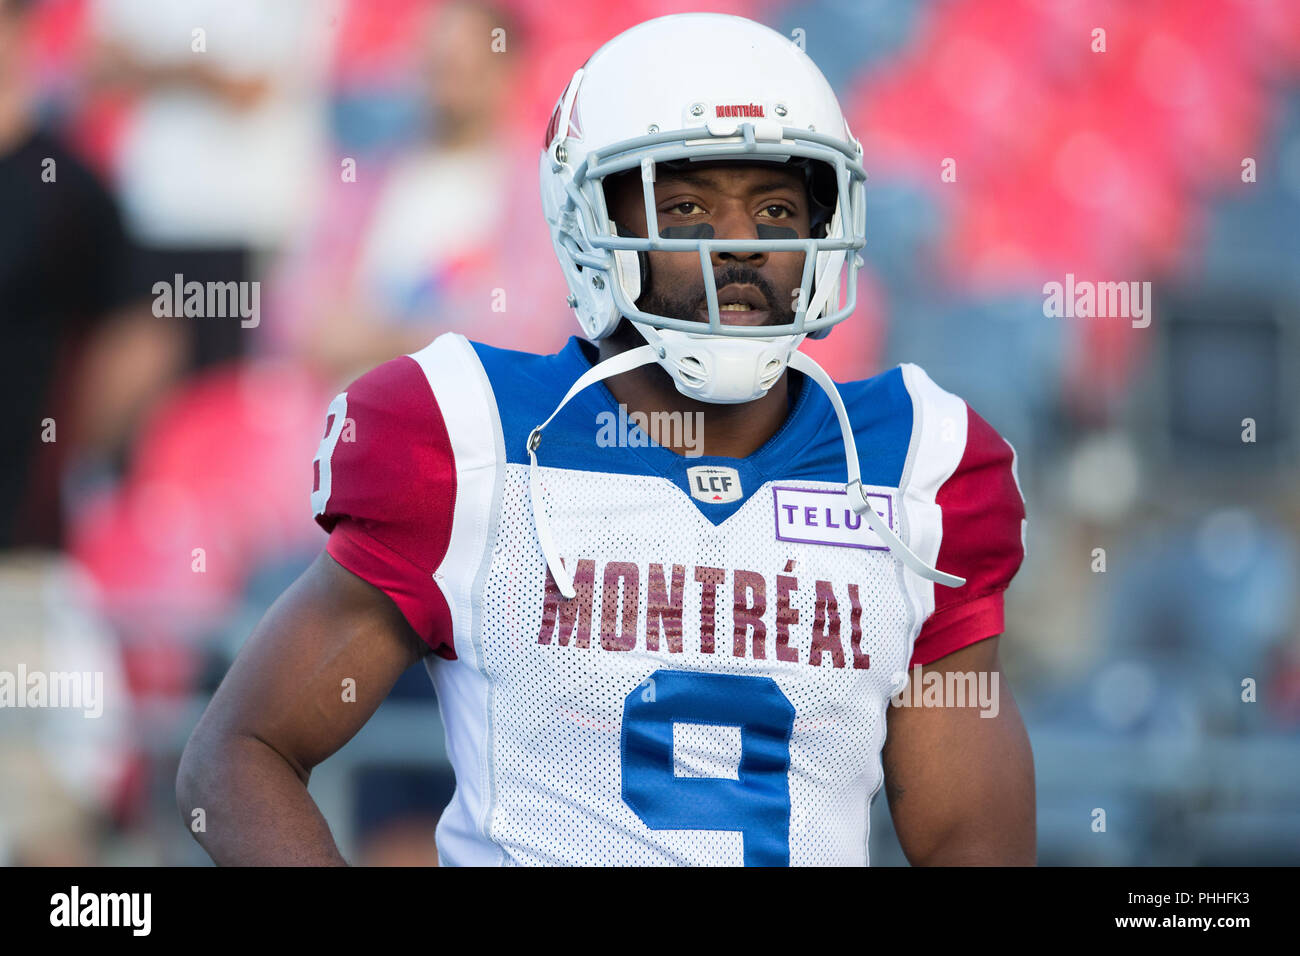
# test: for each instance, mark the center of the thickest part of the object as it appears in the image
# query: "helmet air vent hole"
(692, 370)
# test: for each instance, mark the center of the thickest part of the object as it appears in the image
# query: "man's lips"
(737, 317)
(756, 311)
(742, 293)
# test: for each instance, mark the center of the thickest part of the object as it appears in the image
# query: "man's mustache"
(689, 307)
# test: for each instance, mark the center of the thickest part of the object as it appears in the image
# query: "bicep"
(961, 785)
(316, 668)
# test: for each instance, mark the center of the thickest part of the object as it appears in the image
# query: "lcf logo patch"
(715, 484)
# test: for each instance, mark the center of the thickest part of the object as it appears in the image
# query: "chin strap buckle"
(857, 497)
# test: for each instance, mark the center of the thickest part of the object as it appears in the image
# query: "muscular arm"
(281, 711)
(961, 786)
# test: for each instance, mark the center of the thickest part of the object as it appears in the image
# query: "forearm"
(256, 810)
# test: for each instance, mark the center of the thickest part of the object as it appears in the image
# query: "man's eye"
(679, 207)
(780, 209)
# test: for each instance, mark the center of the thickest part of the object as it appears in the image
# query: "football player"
(657, 651)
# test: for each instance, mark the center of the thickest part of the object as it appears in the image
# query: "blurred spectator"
(398, 252)
(83, 356)
(216, 159)
(63, 768)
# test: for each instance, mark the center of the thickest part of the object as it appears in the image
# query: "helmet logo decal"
(742, 109)
(574, 130)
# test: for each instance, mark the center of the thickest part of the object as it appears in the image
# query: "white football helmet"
(695, 87)
(703, 87)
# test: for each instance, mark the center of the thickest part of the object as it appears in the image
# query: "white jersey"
(716, 691)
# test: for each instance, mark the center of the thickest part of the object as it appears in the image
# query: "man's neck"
(729, 431)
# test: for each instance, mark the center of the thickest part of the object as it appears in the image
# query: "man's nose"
(735, 222)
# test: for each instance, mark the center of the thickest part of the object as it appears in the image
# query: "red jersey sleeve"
(983, 516)
(384, 487)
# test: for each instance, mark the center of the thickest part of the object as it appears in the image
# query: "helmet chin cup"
(721, 370)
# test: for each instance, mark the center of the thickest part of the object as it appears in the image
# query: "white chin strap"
(644, 355)
(620, 363)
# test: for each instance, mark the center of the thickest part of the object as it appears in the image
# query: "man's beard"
(685, 304)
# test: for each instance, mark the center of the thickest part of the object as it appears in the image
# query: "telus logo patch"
(824, 517)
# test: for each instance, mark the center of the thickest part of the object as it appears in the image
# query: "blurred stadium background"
(183, 434)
